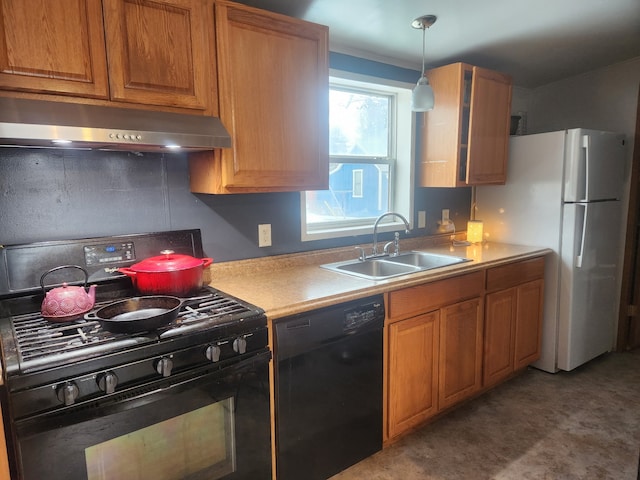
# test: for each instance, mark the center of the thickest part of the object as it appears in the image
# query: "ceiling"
(536, 42)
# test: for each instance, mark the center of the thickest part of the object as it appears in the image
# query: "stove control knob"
(240, 345)
(67, 393)
(213, 353)
(107, 382)
(164, 366)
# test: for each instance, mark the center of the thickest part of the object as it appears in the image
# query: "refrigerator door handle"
(583, 233)
(586, 144)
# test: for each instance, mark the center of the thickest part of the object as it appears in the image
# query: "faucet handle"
(361, 255)
(396, 243)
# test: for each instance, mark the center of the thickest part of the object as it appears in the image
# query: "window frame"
(400, 160)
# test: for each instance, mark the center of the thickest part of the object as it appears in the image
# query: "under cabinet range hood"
(39, 123)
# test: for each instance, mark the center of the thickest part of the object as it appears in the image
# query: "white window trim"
(404, 140)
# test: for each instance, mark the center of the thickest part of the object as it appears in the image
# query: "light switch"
(264, 235)
(422, 219)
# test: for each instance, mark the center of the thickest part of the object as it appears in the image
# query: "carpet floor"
(578, 425)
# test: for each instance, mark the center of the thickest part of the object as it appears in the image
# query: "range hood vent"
(38, 123)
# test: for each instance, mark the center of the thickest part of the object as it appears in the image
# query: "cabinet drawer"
(506, 276)
(423, 298)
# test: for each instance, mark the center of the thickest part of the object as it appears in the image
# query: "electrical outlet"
(422, 219)
(264, 235)
(445, 216)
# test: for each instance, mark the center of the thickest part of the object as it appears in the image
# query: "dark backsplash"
(50, 194)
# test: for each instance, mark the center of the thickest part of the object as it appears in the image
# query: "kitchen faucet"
(396, 241)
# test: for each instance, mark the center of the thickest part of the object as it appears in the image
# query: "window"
(370, 171)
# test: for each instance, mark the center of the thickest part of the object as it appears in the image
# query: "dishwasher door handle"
(304, 323)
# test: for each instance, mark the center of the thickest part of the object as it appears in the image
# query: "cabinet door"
(441, 129)
(274, 78)
(499, 336)
(4, 459)
(413, 371)
(53, 47)
(489, 123)
(460, 374)
(158, 52)
(528, 323)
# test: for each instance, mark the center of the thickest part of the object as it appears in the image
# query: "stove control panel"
(103, 254)
(168, 361)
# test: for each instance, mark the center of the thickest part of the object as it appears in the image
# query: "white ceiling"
(535, 41)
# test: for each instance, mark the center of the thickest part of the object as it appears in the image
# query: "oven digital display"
(109, 253)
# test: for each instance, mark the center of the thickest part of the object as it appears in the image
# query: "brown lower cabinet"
(513, 317)
(434, 349)
(449, 340)
(460, 374)
(4, 460)
(413, 371)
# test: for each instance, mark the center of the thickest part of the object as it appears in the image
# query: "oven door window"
(206, 436)
(211, 427)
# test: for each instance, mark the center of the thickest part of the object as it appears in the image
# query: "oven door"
(214, 426)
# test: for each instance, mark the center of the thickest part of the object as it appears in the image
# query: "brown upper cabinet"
(53, 47)
(273, 79)
(464, 139)
(158, 52)
(153, 53)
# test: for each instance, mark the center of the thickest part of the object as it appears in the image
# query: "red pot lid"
(169, 261)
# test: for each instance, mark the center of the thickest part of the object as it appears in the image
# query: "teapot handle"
(86, 274)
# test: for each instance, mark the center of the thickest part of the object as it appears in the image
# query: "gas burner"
(40, 343)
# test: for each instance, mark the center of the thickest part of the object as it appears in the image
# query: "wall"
(604, 99)
(49, 194)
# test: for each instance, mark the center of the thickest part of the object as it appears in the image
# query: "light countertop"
(289, 284)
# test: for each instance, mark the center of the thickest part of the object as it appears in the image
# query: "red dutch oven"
(168, 274)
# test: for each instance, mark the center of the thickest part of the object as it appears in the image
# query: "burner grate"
(217, 308)
(37, 337)
(41, 343)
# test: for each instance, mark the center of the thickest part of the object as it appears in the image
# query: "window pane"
(356, 191)
(359, 124)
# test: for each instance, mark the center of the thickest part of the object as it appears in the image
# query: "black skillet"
(138, 314)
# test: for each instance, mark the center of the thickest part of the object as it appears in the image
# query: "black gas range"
(55, 370)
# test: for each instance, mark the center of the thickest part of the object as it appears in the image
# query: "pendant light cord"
(424, 30)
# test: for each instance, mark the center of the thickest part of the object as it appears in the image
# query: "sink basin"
(425, 260)
(372, 269)
(388, 267)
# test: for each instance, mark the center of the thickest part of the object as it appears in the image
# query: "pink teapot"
(66, 303)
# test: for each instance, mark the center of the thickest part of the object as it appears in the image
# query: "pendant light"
(422, 98)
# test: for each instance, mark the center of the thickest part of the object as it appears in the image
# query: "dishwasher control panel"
(357, 316)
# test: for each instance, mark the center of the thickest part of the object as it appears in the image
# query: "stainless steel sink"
(373, 269)
(382, 268)
(426, 261)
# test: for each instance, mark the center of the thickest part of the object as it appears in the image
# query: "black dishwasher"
(328, 388)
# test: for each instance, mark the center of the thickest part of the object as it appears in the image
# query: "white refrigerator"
(563, 192)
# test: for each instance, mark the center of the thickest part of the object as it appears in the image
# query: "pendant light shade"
(422, 99)
(422, 96)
